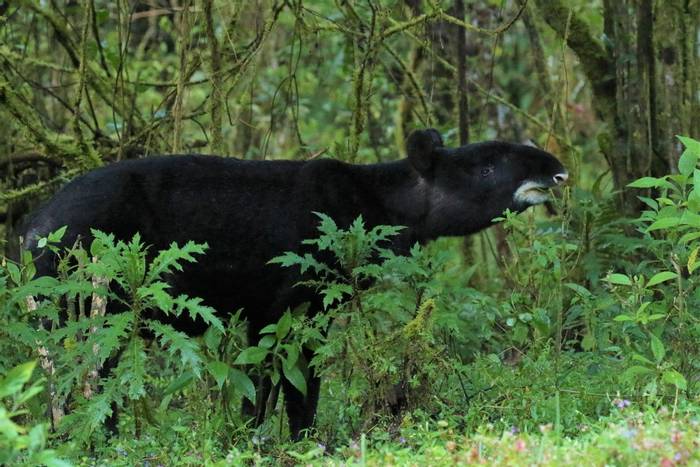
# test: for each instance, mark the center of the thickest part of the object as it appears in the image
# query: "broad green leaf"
(28, 394)
(660, 277)
(269, 329)
(675, 378)
(15, 273)
(623, 318)
(688, 162)
(292, 356)
(179, 383)
(296, 377)
(643, 359)
(579, 289)
(56, 236)
(690, 144)
(665, 223)
(689, 237)
(267, 341)
(646, 182)
(690, 218)
(16, 378)
(284, 325)
(219, 370)
(649, 202)
(251, 356)
(243, 384)
(657, 348)
(49, 458)
(619, 279)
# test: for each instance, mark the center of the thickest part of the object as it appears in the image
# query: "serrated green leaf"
(334, 292)
(193, 306)
(157, 292)
(132, 370)
(170, 260)
(660, 277)
(287, 259)
(178, 343)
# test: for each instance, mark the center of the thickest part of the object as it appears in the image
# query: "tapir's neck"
(404, 195)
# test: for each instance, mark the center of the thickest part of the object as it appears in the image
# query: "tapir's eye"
(486, 171)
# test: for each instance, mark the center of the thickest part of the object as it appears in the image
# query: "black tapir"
(250, 211)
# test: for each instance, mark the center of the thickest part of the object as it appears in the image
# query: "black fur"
(251, 211)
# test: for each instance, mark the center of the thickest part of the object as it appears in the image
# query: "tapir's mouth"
(532, 192)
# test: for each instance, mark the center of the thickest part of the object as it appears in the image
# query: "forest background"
(569, 330)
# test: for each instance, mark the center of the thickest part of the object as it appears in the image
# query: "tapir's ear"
(421, 148)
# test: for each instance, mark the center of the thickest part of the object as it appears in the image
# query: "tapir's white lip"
(531, 192)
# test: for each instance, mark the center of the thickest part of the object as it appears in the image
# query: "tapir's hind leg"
(301, 409)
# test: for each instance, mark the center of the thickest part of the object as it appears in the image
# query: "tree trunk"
(644, 82)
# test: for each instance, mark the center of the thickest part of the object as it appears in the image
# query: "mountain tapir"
(251, 211)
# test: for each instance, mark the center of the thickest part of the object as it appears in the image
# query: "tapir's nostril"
(561, 178)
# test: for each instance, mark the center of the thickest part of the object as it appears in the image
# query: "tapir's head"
(469, 186)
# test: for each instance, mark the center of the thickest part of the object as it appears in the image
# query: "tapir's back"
(169, 198)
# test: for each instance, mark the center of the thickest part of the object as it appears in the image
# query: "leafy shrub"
(19, 445)
(77, 352)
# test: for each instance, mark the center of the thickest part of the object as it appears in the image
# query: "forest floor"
(659, 438)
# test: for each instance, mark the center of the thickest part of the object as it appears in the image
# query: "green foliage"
(88, 339)
(377, 328)
(593, 316)
(658, 308)
(20, 445)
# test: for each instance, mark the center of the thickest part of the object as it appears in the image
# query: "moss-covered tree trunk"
(644, 81)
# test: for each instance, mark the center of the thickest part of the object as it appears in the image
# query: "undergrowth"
(585, 347)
